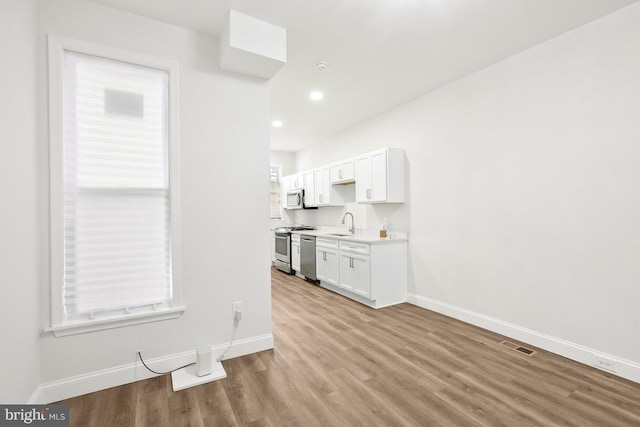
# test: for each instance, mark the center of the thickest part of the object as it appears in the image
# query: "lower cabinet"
(327, 254)
(273, 247)
(355, 275)
(295, 252)
(373, 274)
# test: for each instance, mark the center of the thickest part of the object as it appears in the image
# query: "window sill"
(81, 327)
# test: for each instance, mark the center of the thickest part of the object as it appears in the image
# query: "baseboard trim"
(36, 396)
(587, 356)
(135, 371)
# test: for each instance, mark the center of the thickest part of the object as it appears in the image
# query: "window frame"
(57, 46)
(279, 193)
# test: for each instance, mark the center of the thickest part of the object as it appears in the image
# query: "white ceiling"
(381, 53)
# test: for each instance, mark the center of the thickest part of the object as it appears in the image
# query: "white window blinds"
(117, 242)
(274, 195)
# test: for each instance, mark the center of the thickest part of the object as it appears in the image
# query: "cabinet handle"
(324, 256)
(368, 193)
(298, 249)
(321, 198)
(350, 262)
(340, 174)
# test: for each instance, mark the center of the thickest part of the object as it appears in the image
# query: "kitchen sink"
(338, 234)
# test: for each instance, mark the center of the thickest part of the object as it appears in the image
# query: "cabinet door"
(343, 171)
(348, 170)
(363, 178)
(347, 273)
(327, 265)
(317, 174)
(362, 281)
(323, 186)
(378, 191)
(309, 188)
(321, 265)
(296, 181)
(295, 256)
(354, 274)
(336, 172)
(273, 247)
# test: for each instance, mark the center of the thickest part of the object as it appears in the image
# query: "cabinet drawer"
(295, 237)
(358, 248)
(327, 243)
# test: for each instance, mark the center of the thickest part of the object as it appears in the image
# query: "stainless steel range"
(283, 246)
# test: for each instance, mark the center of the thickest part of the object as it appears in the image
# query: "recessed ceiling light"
(276, 123)
(316, 95)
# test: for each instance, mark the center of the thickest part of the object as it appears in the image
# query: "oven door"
(283, 251)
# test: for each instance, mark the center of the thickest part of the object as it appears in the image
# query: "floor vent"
(518, 348)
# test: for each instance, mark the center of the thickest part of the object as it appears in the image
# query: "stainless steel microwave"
(295, 199)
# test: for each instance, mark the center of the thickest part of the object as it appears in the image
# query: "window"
(274, 199)
(113, 165)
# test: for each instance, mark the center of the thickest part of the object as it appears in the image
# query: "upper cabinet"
(327, 194)
(343, 172)
(380, 176)
(323, 185)
(309, 185)
(296, 181)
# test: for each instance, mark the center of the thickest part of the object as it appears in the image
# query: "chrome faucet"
(352, 229)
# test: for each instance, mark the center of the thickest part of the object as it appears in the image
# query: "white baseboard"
(623, 368)
(36, 396)
(135, 371)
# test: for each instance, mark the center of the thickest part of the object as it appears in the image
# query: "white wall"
(224, 149)
(524, 206)
(21, 239)
(284, 159)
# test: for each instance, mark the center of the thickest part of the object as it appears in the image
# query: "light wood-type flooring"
(339, 363)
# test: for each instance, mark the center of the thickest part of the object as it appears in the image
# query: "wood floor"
(339, 363)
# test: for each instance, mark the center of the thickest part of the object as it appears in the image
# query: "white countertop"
(364, 237)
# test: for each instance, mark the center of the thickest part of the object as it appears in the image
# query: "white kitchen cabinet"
(295, 252)
(327, 261)
(309, 185)
(323, 186)
(343, 172)
(380, 176)
(327, 194)
(374, 274)
(296, 181)
(355, 274)
(273, 247)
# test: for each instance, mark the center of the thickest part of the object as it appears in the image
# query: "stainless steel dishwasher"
(308, 256)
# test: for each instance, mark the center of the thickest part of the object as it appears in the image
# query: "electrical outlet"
(605, 363)
(236, 307)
